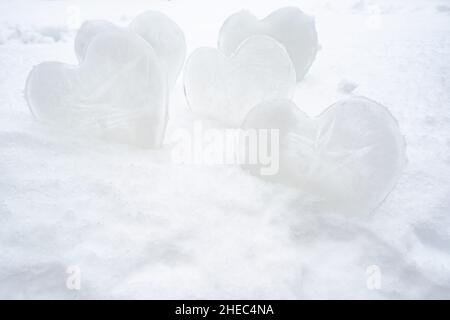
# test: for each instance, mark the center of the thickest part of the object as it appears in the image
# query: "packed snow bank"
(138, 226)
(33, 35)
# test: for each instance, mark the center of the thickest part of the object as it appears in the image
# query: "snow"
(139, 226)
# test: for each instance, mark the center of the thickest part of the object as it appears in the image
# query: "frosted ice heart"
(226, 88)
(163, 34)
(165, 37)
(118, 91)
(351, 155)
(87, 32)
(289, 26)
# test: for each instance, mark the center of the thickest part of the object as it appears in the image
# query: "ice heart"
(226, 88)
(87, 32)
(118, 91)
(289, 26)
(164, 35)
(351, 155)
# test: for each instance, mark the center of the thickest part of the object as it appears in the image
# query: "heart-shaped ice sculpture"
(163, 34)
(118, 91)
(226, 88)
(87, 32)
(351, 155)
(290, 26)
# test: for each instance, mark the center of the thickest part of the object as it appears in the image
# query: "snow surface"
(139, 226)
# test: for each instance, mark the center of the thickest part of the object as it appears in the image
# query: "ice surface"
(118, 91)
(289, 26)
(351, 155)
(164, 35)
(226, 88)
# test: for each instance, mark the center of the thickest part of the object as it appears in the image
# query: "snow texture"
(138, 226)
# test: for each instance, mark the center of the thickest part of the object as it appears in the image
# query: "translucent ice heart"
(164, 35)
(226, 88)
(87, 32)
(118, 91)
(351, 155)
(289, 26)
